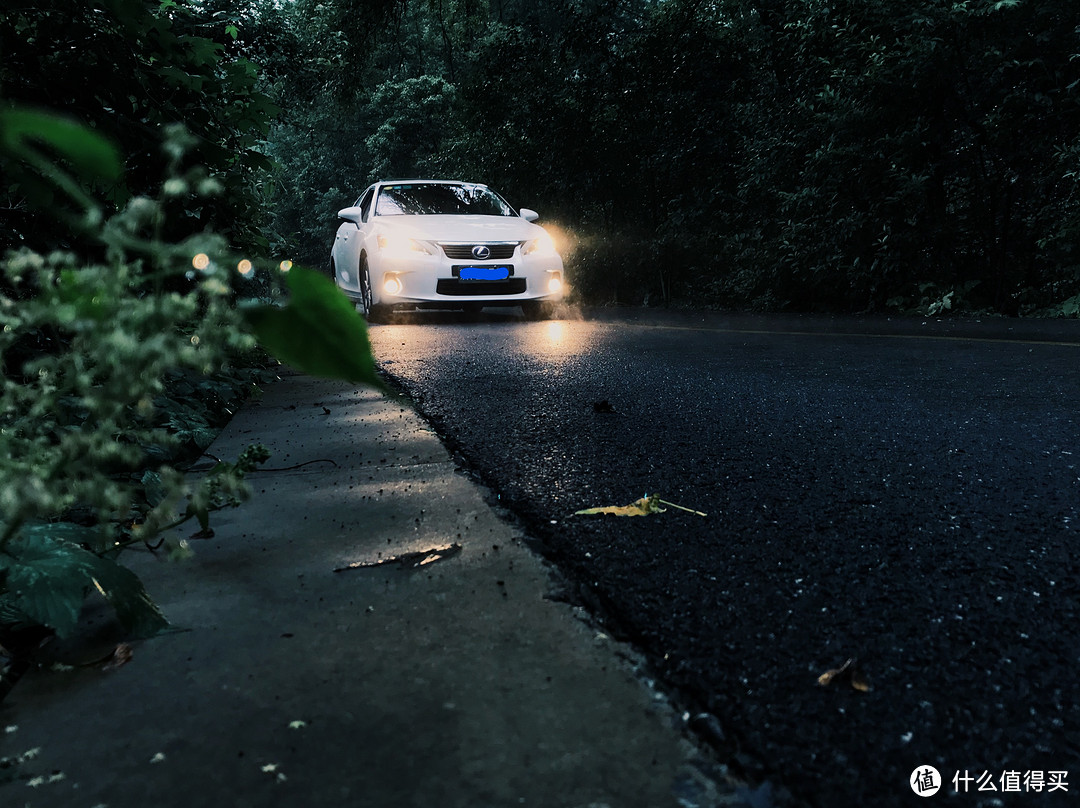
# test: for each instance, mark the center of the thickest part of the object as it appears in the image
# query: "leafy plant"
(95, 352)
(85, 348)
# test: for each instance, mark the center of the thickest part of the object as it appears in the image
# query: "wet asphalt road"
(899, 492)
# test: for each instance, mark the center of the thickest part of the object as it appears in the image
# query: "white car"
(443, 244)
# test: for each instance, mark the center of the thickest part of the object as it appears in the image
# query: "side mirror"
(529, 215)
(353, 214)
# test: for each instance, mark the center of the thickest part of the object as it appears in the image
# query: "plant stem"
(680, 507)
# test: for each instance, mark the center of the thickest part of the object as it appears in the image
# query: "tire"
(373, 312)
(364, 280)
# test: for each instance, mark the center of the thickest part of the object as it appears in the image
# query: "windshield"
(425, 199)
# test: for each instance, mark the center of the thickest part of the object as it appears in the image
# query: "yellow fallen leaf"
(860, 682)
(641, 507)
(848, 672)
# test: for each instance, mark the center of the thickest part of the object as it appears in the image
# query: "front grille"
(500, 251)
(455, 288)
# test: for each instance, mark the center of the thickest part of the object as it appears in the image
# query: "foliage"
(316, 330)
(910, 145)
(775, 154)
(123, 349)
(128, 68)
(87, 348)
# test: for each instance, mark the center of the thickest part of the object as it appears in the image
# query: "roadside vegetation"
(851, 155)
(135, 290)
(170, 166)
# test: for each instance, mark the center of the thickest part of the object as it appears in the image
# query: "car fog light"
(392, 286)
(555, 284)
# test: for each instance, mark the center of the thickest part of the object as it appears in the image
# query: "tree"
(127, 68)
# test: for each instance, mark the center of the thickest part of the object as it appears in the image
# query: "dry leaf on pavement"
(848, 672)
(642, 507)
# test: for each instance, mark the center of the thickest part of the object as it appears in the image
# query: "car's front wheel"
(363, 277)
(373, 312)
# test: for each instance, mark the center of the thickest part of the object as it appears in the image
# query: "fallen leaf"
(408, 560)
(859, 681)
(120, 657)
(641, 507)
(846, 673)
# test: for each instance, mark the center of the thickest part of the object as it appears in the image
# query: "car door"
(348, 245)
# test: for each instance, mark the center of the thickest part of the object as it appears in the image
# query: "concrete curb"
(454, 682)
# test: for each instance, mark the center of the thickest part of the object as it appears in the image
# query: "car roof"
(434, 182)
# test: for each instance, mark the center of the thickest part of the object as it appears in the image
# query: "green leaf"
(317, 332)
(62, 531)
(181, 78)
(91, 154)
(126, 594)
(46, 578)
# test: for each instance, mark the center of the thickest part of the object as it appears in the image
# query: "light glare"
(201, 261)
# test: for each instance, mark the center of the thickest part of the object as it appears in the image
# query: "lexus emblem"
(481, 252)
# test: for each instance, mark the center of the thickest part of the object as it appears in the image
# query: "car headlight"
(395, 242)
(543, 245)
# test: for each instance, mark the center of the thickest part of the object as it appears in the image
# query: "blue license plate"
(484, 273)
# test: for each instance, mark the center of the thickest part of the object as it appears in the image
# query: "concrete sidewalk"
(450, 684)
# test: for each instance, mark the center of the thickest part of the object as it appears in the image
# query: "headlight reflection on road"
(555, 331)
(555, 343)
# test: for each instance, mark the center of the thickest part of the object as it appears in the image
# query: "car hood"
(462, 228)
